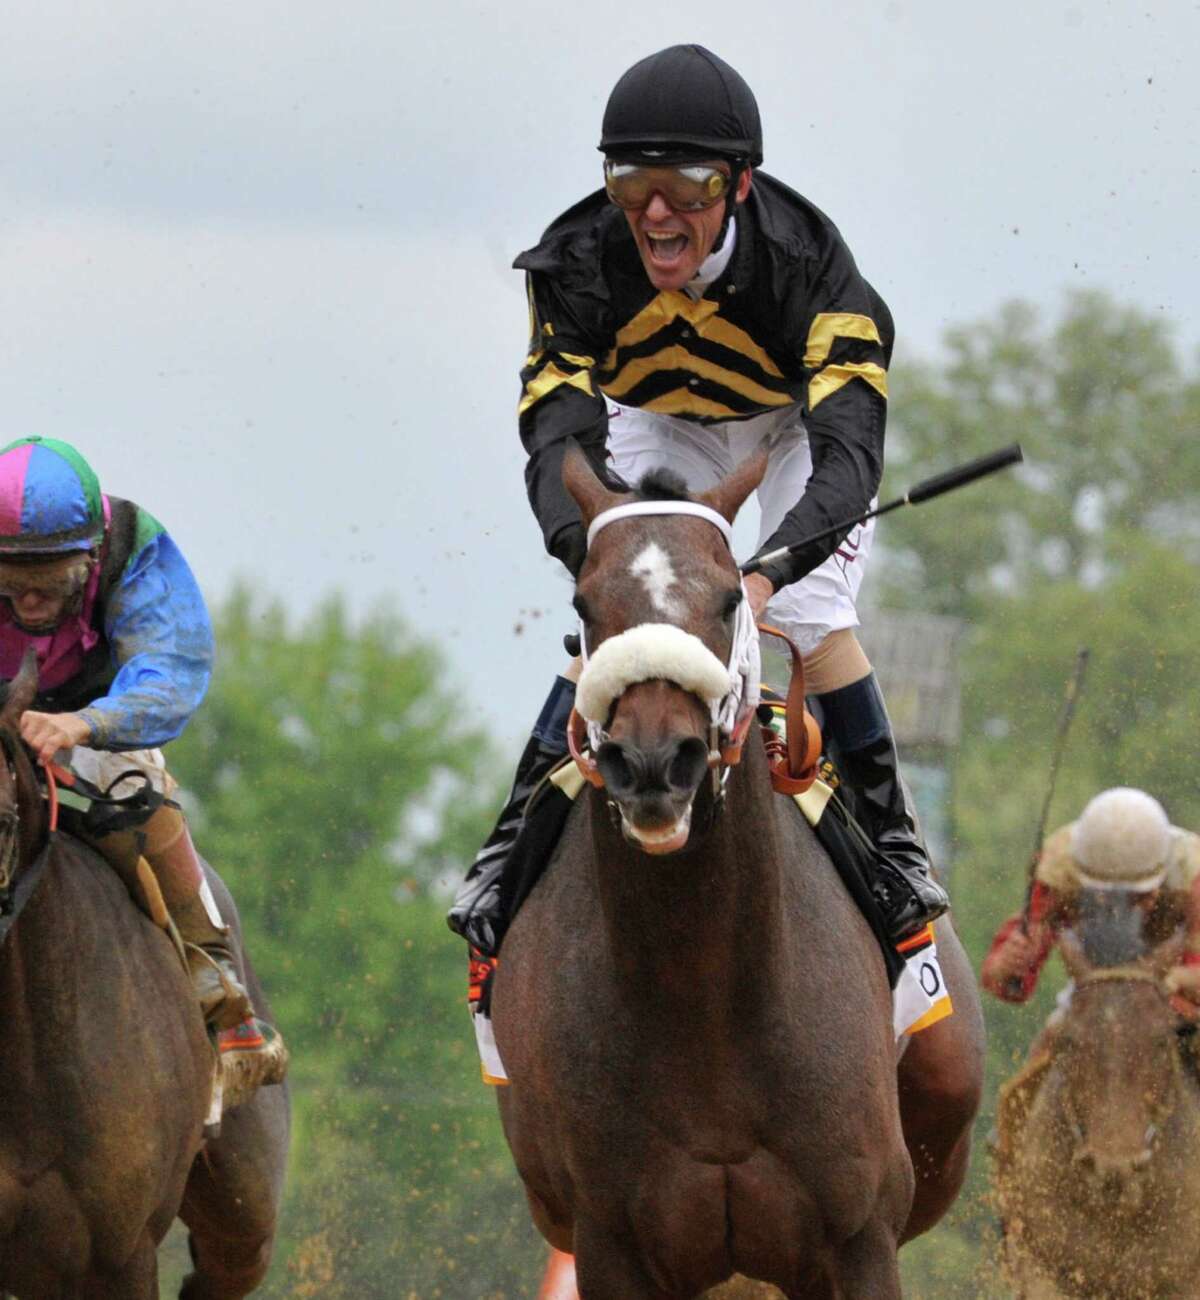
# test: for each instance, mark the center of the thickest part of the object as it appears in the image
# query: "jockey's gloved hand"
(569, 545)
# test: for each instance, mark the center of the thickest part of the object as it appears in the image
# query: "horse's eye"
(581, 608)
(732, 600)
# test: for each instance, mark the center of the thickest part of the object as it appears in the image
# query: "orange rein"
(54, 776)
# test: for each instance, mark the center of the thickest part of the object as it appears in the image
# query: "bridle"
(729, 690)
(10, 831)
(16, 887)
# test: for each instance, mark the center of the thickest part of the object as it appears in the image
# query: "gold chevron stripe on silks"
(676, 357)
(684, 402)
(672, 305)
(572, 358)
(550, 379)
(661, 311)
(832, 378)
(830, 325)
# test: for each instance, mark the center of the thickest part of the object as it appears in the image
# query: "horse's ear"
(591, 496)
(21, 691)
(731, 492)
(1073, 958)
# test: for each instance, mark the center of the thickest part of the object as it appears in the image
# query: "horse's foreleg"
(940, 1080)
(136, 1280)
(866, 1266)
(226, 1268)
(606, 1267)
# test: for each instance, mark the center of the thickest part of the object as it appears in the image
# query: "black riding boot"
(857, 724)
(479, 908)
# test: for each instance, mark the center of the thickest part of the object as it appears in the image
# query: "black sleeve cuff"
(569, 545)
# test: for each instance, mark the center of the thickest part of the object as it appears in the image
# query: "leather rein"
(17, 886)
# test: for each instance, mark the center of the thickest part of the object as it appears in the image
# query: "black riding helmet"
(680, 104)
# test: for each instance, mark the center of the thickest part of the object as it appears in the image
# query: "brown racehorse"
(233, 1194)
(699, 1042)
(105, 1071)
(1098, 1165)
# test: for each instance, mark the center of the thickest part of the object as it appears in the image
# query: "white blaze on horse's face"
(654, 569)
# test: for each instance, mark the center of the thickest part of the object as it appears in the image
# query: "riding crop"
(1074, 686)
(925, 491)
(1067, 713)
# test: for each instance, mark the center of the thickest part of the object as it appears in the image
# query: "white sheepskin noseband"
(652, 651)
(1121, 841)
(646, 652)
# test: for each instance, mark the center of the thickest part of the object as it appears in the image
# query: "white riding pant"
(821, 602)
(105, 769)
(102, 767)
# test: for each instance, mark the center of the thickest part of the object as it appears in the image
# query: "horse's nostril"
(616, 769)
(688, 764)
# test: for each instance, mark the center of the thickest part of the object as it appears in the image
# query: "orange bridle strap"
(577, 744)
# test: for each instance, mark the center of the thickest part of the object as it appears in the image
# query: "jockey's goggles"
(56, 576)
(688, 187)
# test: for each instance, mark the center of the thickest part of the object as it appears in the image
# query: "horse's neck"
(718, 904)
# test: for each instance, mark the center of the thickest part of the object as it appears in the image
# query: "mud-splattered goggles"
(690, 187)
(56, 576)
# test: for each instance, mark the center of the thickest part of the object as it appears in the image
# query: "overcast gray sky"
(254, 258)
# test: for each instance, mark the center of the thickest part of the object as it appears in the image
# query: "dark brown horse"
(699, 1040)
(234, 1191)
(105, 1076)
(1098, 1166)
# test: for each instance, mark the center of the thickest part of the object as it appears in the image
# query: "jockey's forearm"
(546, 431)
(149, 703)
(1191, 948)
(1009, 985)
(847, 466)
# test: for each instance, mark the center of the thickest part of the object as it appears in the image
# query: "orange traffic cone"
(559, 1282)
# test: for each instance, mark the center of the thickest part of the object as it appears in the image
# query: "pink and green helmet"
(50, 500)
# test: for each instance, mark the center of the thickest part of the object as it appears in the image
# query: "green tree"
(1092, 542)
(1106, 415)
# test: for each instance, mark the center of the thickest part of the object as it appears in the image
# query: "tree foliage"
(1094, 541)
(1106, 416)
(330, 782)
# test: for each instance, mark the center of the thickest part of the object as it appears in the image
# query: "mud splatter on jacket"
(137, 661)
(789, 320)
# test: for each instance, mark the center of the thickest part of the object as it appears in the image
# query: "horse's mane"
(661, 484)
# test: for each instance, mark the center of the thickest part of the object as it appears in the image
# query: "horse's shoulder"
(79, 878)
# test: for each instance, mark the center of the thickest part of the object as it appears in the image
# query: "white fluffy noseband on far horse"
(652, 651)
